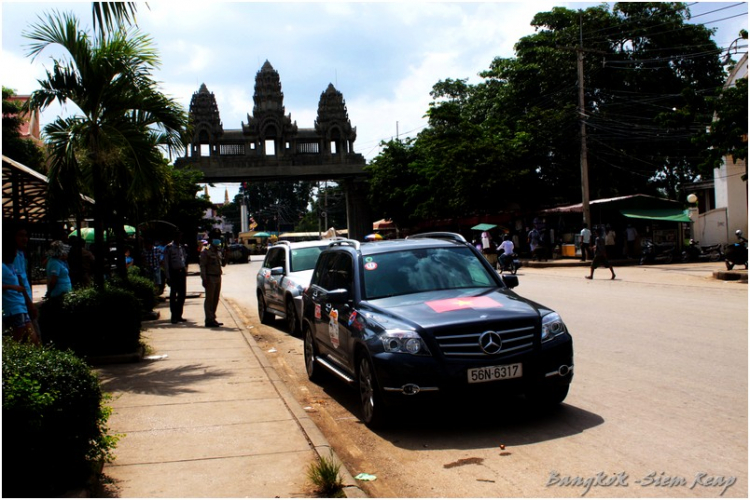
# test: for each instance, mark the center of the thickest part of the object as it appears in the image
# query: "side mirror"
(338, 296)
(277, 271)
(321, 295)
(510, 280)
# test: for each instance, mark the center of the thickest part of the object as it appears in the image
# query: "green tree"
(727, 135)
(398, 189)
(514, 138)
(278, 206)
(112, 149)
(16, 147)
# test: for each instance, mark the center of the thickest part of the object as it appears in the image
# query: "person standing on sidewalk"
(175, 261)
(15, 299)
(211, 261)
(20, 266)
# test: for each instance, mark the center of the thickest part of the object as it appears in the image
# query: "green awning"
(665, 214)
(484, 227)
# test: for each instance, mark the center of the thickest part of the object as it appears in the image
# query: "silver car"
(285, 273)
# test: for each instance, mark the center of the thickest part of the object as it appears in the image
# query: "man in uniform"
(211, 262)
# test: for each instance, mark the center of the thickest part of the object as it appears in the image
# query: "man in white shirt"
(506, 249)
(585, 242)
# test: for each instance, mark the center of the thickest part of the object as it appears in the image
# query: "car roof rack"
(441, 235)
(344, 241)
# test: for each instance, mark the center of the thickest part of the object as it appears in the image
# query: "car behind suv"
(285, 272)
(428, 315)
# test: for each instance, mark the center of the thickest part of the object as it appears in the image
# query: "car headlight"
(404, 341)
(552, 326)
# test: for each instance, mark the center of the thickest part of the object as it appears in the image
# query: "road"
(658, 405)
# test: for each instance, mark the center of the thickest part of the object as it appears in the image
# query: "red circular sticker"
(371, 266)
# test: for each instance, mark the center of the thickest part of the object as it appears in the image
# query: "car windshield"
(423, 270)
(304, 259)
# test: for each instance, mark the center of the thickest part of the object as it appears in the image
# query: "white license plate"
(490, 373)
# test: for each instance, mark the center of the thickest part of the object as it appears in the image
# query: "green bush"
(55, 430)
(142, 287)
(92, 322)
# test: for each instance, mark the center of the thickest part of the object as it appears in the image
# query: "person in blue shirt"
(15, 298)
(58, 275)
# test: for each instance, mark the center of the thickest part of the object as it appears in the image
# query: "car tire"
(547, 395)
(292, 322)
(263, 314)
(311, 352)
(371, 401)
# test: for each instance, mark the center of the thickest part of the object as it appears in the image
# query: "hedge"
(55, 432)
(93, 322)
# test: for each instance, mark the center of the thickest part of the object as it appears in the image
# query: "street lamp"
(692, 198)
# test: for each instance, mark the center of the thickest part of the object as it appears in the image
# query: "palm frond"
(108, 16)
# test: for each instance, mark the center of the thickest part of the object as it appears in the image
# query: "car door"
(272, 286)
(331, 318)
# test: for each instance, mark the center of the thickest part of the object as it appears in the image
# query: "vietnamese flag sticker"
(446, 305)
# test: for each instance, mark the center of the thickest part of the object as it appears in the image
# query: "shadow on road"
(461, 423)
(511, 422)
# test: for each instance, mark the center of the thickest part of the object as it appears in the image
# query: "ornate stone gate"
(270, 146)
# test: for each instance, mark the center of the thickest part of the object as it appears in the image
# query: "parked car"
(285, 272)
(237, 253)
(403, 319)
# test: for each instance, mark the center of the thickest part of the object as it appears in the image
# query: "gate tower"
(271, 147)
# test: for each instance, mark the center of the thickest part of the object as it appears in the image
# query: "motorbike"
(508, 265)
(695, 252)
(657, 252)
(736, 253)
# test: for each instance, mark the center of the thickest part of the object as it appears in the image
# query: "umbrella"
(483, 227)
(88, 233)
(373, 237)
(261, 235)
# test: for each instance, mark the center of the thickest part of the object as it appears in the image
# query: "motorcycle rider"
(507, 248)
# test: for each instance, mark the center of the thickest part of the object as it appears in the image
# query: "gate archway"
(271, 147)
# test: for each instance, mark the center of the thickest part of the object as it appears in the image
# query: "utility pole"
(584, 149)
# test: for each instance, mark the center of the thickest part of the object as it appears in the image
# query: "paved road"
(658, 406)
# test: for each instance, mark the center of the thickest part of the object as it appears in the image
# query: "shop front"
(641, 216)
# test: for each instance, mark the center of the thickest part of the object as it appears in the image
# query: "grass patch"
(324, 474)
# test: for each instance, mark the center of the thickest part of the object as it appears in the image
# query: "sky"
(384, 57)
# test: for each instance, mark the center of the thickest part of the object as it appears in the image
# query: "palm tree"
(110, 149)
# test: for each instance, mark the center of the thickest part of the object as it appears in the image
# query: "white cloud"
(383, 56)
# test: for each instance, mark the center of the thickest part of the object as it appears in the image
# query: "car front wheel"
(373, 410)
(310, 352)
(291, 317)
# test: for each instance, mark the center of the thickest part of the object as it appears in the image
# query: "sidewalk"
(736, 274)
(206, 415)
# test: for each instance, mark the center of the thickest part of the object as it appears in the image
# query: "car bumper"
(402, 375)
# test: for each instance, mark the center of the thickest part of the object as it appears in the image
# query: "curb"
(314, 436)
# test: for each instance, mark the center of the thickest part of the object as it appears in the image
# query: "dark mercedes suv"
(405, 318)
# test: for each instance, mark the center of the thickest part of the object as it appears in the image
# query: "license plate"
(490, 373)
